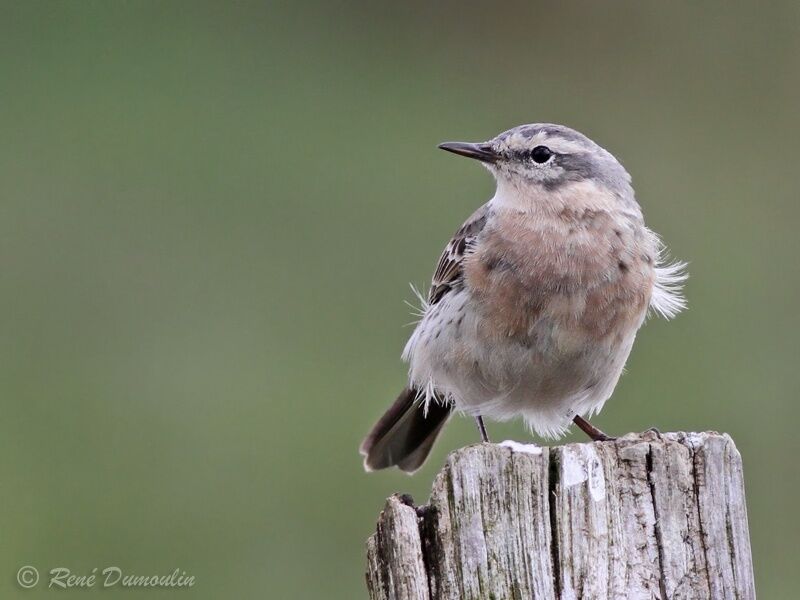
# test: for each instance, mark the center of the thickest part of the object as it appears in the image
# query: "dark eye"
(541, 154)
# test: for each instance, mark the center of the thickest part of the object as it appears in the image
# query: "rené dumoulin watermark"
(61, 578)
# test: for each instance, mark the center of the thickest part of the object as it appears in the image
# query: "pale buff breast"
(577, 276)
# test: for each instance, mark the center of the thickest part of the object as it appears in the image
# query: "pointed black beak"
(481, 152)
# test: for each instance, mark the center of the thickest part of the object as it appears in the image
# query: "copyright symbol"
(27, 577)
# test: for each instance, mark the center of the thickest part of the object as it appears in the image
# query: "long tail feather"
(404, 435)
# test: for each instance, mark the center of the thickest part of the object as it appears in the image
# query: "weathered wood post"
(646, 516)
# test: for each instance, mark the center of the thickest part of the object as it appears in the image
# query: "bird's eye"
(541, 154)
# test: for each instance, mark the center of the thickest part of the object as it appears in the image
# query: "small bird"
(536, 300)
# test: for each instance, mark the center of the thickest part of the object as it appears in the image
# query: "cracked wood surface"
(647, 516)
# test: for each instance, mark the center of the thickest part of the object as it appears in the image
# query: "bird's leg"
(482, 429)
(593, 432)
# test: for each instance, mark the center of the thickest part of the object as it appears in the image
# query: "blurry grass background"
(209, 214)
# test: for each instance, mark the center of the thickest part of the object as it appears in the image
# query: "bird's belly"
(555, 364)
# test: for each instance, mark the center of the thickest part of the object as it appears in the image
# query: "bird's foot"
(482, 429)
(654, 430)
(596, 435)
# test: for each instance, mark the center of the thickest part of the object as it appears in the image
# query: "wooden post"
(643, 517)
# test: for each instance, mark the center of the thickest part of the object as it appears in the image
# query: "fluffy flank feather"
(668, 299)
(548, 430)
(418, 311)
(425, 394)
(421, 306)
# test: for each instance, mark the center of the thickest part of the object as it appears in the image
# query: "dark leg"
(590, 430)
(482, 429)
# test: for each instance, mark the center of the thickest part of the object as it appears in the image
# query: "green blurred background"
(210, 212)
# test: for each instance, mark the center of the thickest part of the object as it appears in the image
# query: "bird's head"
(531, 159)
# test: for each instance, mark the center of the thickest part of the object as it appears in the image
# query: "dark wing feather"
(449, 273)
(405, 434)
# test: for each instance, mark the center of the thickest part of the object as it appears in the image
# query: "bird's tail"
(404, 435)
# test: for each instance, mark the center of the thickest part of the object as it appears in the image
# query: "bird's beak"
(481, 152)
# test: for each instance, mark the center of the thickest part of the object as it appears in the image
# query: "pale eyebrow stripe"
(517, 142)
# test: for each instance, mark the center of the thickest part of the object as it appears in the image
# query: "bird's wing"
(449, 271)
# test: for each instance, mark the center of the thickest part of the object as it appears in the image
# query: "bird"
(536, 300)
